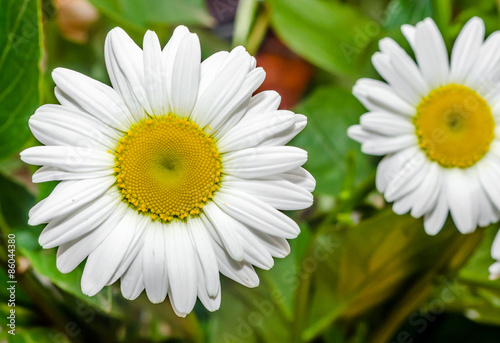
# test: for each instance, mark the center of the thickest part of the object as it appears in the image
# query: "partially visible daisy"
(173, 175)
(495, 253)
(435, 121)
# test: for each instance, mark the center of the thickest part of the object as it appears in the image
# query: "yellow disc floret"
(167, 167)
(455, 126)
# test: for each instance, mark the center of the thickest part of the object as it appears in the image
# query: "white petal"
(409, 32)
(210, 68)
(132, 281)
(69, 196)
(241, 272)
(255, 213)
(286, 136)
(71, 254)
(495, 247)
(168, 55)
(357, 133)
(236, 108)
(263, 161)
(300, 177)
(483, 75)
(275, 191)
(69, 158)
(263, 102)
(64, 229)
(466, 50)
(224, 225)
(391, 164)
(59, 125)
(255, 252)
(408, 177)
(125, 64)
(154, 262)
(252, 132)
(206, 256)
(210, 301)
(185, 79)
(378, 96)
(428, 191)
(494, 270)
(47, 173)
(434, 220)
(181, 268)
(141, 224)
(386, 124)
(461, 199)
(94, 97)
(488, 170)
(222, 89)
(105, 259)
(155, 74)
(389, 145)
(431, 54)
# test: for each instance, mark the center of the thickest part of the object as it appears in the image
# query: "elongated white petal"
(125, 64)
(206, 256)
(105, 259)
(185, 79)
(65, 229)
(300, 177)
(466, 50)
(94, 97)
(275, 191)
(47, 173)
(263, 161)
(224, 225)
(386, 124)
(181, 267)
(71, 254)
(154, 262)
(69, 158)
(155, 75)
(69, 196)
(256, 213)
(252, 132)
(132, 281)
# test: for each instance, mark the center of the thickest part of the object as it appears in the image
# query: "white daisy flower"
(495, 253)
(173, 175)
(435, 121)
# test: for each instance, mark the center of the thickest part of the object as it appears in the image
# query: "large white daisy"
(435, 121)
(173, 175)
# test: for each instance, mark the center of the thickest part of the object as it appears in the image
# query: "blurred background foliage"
(357, 272)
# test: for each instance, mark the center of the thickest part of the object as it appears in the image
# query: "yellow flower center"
(167, 167)
(455, 126)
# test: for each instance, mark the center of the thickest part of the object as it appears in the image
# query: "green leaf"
(329, 34)
(144, 13)
(330, 111)
(20, 53)
(400, 12)
(15, 201)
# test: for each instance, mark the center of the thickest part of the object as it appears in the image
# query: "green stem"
(245, 15)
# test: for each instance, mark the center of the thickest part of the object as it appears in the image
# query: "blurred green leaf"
(20, 53)
(329, 34)
(15, 202)
(330, 111)
(143, 13)
(400, 12)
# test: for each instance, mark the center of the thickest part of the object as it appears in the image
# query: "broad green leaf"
(144, 13)
(330, 111)
(329, 34)
(20, 53)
